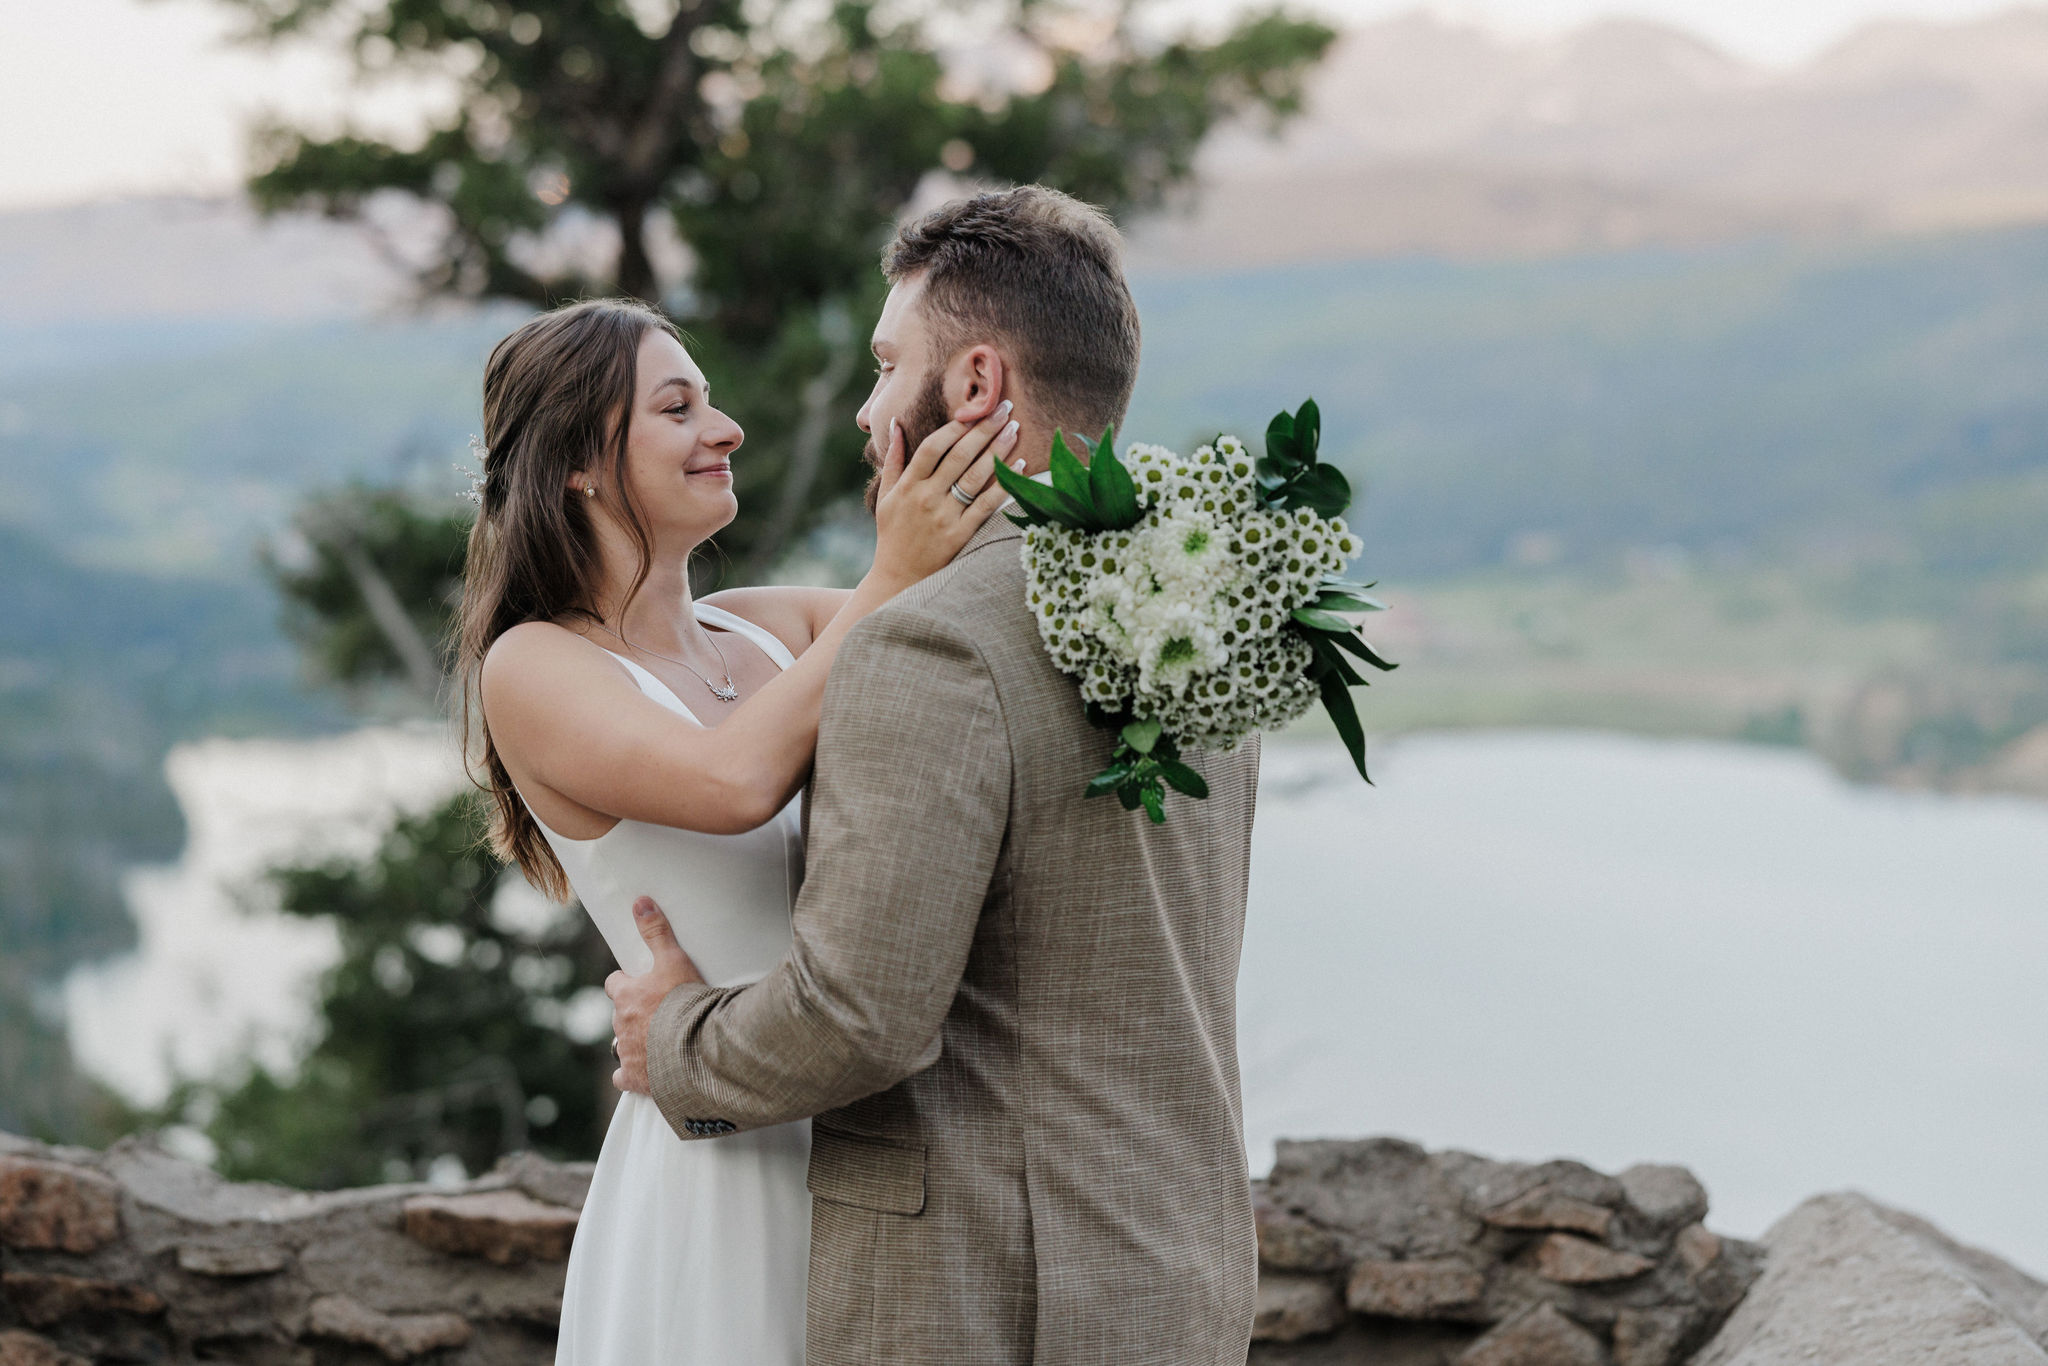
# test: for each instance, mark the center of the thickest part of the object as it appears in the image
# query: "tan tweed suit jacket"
(1011, 1010)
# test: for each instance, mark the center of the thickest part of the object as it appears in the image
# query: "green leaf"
(1155, 804)
(1321, 488)
(1142, 735)
(1337, 702)
(1353, 643)
(1070, 476)
(1330, 661)
(1308, 429)
(1347, 602)
(1184, 779)
(1127, 795)
(1318, 620)
(1107, 781)
(1280, 443)
(1047, 502)
(1116, 494)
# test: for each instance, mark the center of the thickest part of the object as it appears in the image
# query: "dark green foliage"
(440, 1030)
(1096, 496)
(782, 158)
(362, 534)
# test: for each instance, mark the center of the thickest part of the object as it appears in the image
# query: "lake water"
(1523, 944)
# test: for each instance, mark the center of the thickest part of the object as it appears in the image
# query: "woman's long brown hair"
(558, 398)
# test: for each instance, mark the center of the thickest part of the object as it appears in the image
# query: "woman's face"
(678, 447)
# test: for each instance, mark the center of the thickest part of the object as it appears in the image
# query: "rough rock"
(1427, 1288)
(1545, 1208)
(1652, 1337)
(229, 1260)
(1666, 1197)
(1848, 1280)
(57, 1205)
(1288, 1242)
(503, 1227)
(1294, 1307)
(1571, 1260)
(1538, 1336)
(1468, 1247)
(400, 1337)
(556, 1183)
(42, 1298)
(28, 1349)
(207, 1269)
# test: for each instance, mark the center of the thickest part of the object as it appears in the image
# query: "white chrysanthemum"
(1185, 617)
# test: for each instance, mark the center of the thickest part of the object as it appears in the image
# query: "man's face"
(909, 379)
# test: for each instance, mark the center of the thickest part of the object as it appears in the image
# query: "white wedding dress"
(694, 1251)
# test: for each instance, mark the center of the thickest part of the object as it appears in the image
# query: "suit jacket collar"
(996, 528)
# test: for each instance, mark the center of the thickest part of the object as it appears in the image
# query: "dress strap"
(653, 686)
(770, 644)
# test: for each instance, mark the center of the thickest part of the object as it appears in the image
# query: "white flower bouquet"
(1196, 598)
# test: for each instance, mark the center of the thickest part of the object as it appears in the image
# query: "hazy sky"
(105, 97)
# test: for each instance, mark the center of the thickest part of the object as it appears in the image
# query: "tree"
(776, 142)
(374, 602)
(448, 1028)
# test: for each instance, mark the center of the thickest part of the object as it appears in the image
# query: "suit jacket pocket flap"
(870, 1173)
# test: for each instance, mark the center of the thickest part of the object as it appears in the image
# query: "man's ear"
(975, 382)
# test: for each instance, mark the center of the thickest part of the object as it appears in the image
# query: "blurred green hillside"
(1764, 402)
(1771, 402)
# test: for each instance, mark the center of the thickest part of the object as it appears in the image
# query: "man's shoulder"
(980, 595)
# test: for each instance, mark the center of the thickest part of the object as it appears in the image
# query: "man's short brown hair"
(1043, 273)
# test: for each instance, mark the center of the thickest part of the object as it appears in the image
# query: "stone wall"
(1379, 1252)
(134, 1256)
(1373, 1253)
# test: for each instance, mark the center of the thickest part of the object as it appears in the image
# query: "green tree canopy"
(775, 143)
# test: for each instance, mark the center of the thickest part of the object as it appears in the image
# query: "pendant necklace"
(726, 692)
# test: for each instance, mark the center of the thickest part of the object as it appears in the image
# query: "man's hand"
(635, 999)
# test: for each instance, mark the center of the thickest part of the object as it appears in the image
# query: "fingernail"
(1018, 464)
(643, 907)
(1003, 407)
(1010, 431)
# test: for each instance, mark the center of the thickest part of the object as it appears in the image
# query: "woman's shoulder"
(793, 614)
(533, 653)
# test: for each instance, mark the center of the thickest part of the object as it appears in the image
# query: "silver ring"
(965, 500)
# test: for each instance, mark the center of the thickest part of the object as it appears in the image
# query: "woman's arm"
(566, 720)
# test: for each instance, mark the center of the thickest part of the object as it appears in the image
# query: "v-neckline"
(659, 682)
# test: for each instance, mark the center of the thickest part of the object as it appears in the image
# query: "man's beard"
(926, 414)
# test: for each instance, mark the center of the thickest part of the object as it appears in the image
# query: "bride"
(635, 741)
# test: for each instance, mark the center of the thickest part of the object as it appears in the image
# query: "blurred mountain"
(188, 259)
(1429, 136)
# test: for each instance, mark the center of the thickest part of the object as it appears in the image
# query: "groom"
(1012, 1010)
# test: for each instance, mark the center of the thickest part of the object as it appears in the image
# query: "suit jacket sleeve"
(909, 808)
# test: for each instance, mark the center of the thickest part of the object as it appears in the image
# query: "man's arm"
(909, 809)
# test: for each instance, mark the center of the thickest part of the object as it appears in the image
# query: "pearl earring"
(590, 490)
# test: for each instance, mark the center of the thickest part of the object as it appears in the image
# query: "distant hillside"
(1428, 136)
(1884, 402)
(201, 440)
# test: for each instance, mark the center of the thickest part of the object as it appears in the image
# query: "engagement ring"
(966, 499)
